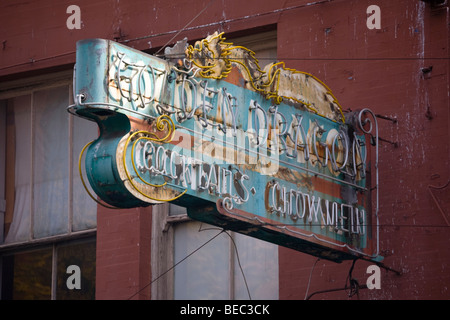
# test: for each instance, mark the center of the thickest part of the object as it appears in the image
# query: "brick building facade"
(399, 69)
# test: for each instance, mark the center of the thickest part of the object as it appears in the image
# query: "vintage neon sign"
(268, 153)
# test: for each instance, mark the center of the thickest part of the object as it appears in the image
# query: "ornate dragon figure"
(215, 59)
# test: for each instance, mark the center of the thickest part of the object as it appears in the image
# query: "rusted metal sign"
(268, 153)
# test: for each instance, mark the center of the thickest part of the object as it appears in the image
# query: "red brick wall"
(123, 254)
(28, 29)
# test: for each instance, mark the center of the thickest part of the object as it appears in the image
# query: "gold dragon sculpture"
(215, 58)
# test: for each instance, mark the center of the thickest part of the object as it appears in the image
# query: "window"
(41, 195)
(44, 273)
(231, 266)
(81, 255)
(44, 210)
(2, 165)
(185, 265)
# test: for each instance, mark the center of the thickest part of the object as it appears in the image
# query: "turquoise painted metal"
(237, 158)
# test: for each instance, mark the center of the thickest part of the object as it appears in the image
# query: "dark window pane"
(27, 276)
(81, 255)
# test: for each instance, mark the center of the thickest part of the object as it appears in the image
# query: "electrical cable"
(351, 284)
(240, 266)
(222, 22)
(31, 61)
(184, 28)
(310, 276)
(436, 200)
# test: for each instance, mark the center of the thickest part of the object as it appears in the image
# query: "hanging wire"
(240, 266)
(227, 21)
(184, 28)
(310, 276)
(430, 187)
(351, 284)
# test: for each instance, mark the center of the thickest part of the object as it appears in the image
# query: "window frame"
(54, 246)
(28, 86)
